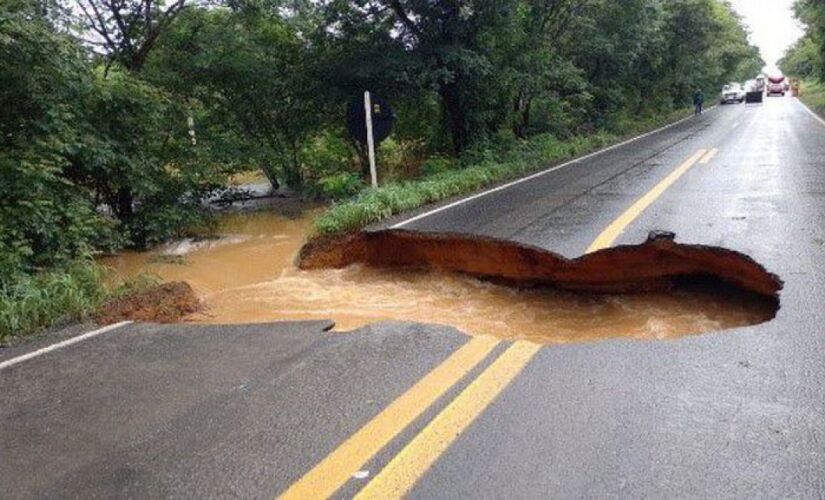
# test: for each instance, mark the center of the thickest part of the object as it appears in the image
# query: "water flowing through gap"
(249, 275)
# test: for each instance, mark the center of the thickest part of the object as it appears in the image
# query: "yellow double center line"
(410, 464)
(609, 235)
(403, 471)
(339, 466)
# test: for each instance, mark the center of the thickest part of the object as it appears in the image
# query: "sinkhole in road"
(657, 290)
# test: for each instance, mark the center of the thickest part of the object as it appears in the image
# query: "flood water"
(248, 275)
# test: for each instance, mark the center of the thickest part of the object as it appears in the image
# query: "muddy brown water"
(248, 275)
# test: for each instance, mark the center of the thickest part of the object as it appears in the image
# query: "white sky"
(772, 25)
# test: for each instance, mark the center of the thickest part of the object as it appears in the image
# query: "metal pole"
(370, 141)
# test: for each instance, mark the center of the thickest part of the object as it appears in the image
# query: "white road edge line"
(60, 345)
(812, 112)
(539, 174)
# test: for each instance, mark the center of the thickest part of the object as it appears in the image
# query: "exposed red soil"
(165, 303)
(653, 265)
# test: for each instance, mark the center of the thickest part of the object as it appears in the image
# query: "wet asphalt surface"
(245, 411)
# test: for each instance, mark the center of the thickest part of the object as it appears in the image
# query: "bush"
(400, 159)
(437, 164)
(329, 166)
(339, 186)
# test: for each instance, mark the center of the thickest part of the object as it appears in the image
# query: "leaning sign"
(369, 121)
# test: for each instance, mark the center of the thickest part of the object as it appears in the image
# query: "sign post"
(369, 121)
(370, 138)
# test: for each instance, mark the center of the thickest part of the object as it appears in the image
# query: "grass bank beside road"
(484, 168)
(48, 298)
(61, 295)
(812, 93)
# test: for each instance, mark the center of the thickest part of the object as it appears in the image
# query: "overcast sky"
(772, 25)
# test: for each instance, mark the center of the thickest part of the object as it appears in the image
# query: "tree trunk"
(293, 177)
(125, 202)
(450, 93)
(521, 108)
(363, 158)
(271, 176)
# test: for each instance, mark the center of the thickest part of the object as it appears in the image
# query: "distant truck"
(754, 91)
(776, 86)
(759, 83)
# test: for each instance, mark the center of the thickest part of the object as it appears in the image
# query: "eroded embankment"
(657, 264)
(165, 303)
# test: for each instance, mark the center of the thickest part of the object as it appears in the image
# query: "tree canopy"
(805, 58)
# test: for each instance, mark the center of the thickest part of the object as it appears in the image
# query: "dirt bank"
(164, 303)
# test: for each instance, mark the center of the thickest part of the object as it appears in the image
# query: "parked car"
(732, 92)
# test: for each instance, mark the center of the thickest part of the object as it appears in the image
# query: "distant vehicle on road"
(732, 92)
(753, 91)
(759, 82)
(776, 86)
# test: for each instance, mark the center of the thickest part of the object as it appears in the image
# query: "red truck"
(776, 86)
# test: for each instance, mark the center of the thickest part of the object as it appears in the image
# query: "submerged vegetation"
(117, 119)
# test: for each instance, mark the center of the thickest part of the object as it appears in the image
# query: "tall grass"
(30, 303)
(812, 93)
(485, 167)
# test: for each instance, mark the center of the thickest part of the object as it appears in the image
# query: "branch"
(125, 30)
(153, 32)
(93, 24)
(402, 16)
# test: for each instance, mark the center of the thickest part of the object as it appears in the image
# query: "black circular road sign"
(382, 119)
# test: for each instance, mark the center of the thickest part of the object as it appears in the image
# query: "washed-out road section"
(191, 410)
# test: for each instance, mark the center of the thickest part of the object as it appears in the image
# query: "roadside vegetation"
(483, 168)
(806, 58)
(60, 295)
(813, 94)
(117, 119)
(36, 301)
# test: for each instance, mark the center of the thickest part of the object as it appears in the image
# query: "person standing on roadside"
(698, 101)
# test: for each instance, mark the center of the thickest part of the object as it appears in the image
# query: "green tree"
(805, 58)
(135, 140)
(250, 66)
(127, 30)
(802, 59)
(536, 52)
(449, 44)
(45, 218)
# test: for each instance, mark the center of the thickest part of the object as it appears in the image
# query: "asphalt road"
(265, 410)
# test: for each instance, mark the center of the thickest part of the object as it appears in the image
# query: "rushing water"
(248, 275)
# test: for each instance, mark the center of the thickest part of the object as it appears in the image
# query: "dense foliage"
(806, 57)
(119, 117)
